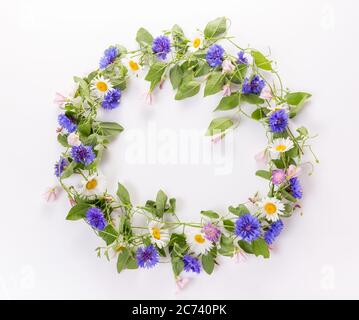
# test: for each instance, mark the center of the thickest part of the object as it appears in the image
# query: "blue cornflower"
(67, 123)
(248, 227)
(83, 154)
(161, 46)
(147, 257)
(109, 56)
(273, 232)
(295, 188)
(214, 55)
(96, 218)
(241, 58)
(191, 264)
(111, 99)
(60, 166)
(278, 121)
(254, 86)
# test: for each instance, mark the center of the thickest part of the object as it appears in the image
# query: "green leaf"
(215, 28)
(202, 69)
(109, 234)
(208, 263)
(245, 246)
(161, 201)
(228, 225)
(264, 174)
(110, 128)
(214, 83)
(123, 194)
(251, 99)
(239, 211)
(144, 38)
(78, 211)
(278, 163)
(219, 125)
(210, 214)
(177, 265)
(187, 89)
(69, 170)
(227, 247)
(258, 114)
(172, 207)
(303, 131)
(176, 75)
(155, 73)
(239, 73)
(62, 139)
(122, 260)
(261, 61)
(85, 129)
(229, 102)
(296, 100)
(131, 263)
(260, 248)
(288, 196)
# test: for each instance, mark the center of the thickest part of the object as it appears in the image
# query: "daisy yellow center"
(156, 233)
(101, 86)
(133, 65)
(281, 147)
(199, 238)
(196, 42)
(270, 208)
(92, 184)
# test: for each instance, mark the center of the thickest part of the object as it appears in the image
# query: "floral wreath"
(248, 78)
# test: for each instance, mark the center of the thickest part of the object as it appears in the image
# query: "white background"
(45, 43)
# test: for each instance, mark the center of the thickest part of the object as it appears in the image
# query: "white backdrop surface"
(45, 43)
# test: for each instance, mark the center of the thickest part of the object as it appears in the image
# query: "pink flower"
(266, 93)
(278, 176)
(181, 283)
(218, 138)
(226, 90)
(262, 157)
(73, 139)
(149, 98)
(293, 171)
(72, 202)
(60, 99)
(227, 66)
(51, 194)
(239, 256)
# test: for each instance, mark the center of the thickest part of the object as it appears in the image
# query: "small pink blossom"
(266, 93)
(226, 89)
(72, 202)
(240, 256)
(60, 99)
(51, 194)
(278, 176)
(293, 171)
(218, 138)
(181, 283)
(262, 157)
(149, 98)
(162, 84)
(227, 66)
(73, 139)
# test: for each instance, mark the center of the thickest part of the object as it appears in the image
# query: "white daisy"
(100, 86)
(159, 235)
(281, 145)
(197, 242)
(271, 208)
(94, 185)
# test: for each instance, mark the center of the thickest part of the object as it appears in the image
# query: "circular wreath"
(247, 78)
